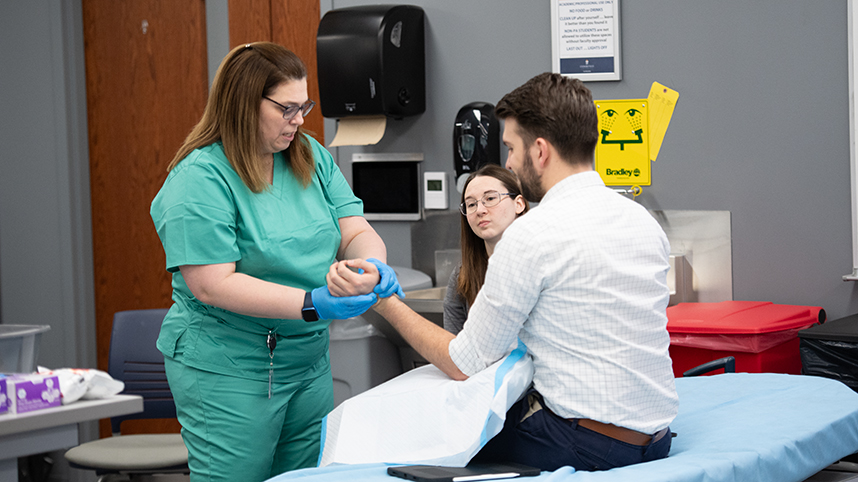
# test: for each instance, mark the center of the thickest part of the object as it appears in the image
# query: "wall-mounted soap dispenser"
(476, 140)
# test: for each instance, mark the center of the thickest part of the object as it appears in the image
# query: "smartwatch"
(308, 312)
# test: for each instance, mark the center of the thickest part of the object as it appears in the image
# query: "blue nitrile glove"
(387, 285)
(330, 307)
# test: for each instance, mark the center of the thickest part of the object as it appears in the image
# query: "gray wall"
(45, 230)
(760, 130)
(46, 274)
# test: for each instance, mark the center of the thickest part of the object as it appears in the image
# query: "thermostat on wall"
(435, 190)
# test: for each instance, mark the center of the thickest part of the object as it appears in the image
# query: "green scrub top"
(288, 234)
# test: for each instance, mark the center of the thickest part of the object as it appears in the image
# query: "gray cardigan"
(455, 306)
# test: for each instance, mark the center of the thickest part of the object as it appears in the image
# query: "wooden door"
(291, 23)
(147, 83)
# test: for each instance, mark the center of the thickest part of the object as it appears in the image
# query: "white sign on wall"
(585, 38)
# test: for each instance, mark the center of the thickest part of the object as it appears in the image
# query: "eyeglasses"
(289, 112)
(490, 199)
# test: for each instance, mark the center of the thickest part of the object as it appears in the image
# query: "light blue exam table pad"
(730, 427)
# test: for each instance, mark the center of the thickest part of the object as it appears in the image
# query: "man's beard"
(531, 182)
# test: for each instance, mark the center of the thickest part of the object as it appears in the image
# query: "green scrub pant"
(234, 432)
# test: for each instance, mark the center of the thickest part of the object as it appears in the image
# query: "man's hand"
(352, 277)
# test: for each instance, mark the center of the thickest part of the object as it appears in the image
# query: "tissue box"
(25, 393)
(4, 399)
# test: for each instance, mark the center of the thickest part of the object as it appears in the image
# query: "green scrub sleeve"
(195, 218)
(339, 194)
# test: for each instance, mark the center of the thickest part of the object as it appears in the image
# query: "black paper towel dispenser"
(371, 61)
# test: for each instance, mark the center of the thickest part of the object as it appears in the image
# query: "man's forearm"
(430, 340)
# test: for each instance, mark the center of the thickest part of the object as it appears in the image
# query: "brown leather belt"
(615, 432)
(622, 434)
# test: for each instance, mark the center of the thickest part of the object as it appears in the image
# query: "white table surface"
(54, 428)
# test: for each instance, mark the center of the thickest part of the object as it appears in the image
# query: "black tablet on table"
(473, 472)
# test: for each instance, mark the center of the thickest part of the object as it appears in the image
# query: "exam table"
(730, 427)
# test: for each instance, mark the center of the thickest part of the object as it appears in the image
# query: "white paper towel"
(359, 131)
(425, 417)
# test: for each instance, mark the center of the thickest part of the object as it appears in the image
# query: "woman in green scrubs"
(253, 216)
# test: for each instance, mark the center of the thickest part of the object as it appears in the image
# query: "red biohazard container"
(762, 336)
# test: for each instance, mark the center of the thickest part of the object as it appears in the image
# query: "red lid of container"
(740, 317)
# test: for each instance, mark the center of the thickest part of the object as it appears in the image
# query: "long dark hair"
(475, 258)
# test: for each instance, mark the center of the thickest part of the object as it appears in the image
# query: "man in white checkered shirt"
(581, 280)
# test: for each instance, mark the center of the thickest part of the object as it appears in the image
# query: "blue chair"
(136, 361)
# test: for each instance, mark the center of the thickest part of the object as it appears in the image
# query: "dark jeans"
(549, 442)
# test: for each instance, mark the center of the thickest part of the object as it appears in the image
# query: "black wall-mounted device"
(389, 185)
(371, 61)
(476, 139)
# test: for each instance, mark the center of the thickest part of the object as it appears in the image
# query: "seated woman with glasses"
(491, 201)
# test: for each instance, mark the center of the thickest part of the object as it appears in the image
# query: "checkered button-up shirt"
(581, 280)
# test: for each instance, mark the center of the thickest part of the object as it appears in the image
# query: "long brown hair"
(245, 75)
(475, 258)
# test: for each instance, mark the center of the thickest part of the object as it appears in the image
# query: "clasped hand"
(353, 286)
(352, 277)
(357, 276)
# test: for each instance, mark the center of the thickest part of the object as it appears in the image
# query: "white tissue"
(85, 383)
